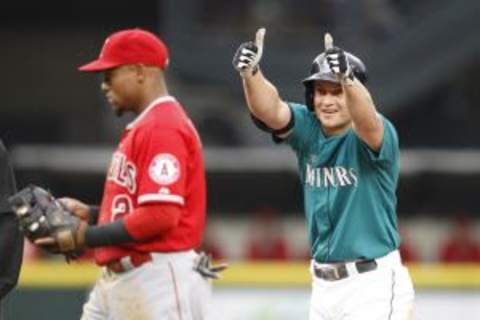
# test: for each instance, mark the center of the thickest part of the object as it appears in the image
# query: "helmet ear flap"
(309, 95)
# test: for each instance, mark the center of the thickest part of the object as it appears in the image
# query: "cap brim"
(98, 65)
(321, 76)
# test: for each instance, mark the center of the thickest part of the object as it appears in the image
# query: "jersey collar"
(152, 104)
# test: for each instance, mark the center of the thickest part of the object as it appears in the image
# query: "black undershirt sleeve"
(110, 234)
(276, 133)
(94, 212)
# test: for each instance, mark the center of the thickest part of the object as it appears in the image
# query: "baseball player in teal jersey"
(348, 157)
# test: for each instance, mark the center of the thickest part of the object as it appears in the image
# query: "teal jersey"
(349, 190)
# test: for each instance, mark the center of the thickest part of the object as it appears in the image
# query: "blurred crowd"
(266, 240)
(378, 20)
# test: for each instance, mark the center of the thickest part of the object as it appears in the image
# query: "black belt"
(340, 271)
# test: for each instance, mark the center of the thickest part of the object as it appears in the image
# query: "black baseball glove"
(47, 223)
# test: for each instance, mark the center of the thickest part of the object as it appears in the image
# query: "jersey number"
(121, 205)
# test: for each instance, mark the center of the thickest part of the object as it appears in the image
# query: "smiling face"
(330, 107)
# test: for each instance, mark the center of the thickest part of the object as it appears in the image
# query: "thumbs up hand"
(248, 55)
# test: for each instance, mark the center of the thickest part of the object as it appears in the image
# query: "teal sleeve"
(389, 150)
(303, 128)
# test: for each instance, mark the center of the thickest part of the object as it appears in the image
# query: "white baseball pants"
(385, 293)
(165, 288)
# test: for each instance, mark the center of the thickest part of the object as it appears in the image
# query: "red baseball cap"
(130, 46)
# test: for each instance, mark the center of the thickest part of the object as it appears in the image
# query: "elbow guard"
(276, 132)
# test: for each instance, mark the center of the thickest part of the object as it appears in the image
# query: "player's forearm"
(142, 224)
(109, 234)
(364, 115)
(263, 100)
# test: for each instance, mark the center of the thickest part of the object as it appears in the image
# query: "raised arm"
(262, 96)
(366, 122)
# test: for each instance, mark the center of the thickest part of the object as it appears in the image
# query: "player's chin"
(329, 121)
(332, 124)
(117, 110)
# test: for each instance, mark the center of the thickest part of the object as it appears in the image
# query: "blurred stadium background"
(423, 58)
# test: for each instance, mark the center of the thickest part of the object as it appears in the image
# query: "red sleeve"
(152, 220)
(162, 166)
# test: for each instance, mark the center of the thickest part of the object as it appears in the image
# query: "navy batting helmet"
(321, 71)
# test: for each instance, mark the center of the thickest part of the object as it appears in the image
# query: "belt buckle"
(336, 275)
(329, 273)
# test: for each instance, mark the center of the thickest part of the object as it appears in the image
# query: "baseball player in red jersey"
(152, 213)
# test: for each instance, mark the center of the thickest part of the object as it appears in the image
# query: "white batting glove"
(337, 60)
(203, 265)
(248, 55)
(338, 63)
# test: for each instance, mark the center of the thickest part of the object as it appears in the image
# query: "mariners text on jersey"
(337, 176)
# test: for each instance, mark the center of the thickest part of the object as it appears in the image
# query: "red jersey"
(159, 160)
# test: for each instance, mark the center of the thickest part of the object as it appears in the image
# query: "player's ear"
(140, 72)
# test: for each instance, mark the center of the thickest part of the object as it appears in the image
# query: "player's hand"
(67, 240)
(76, 207)
(248, 55)
(47, 222)
(337, 59)
(338, 63)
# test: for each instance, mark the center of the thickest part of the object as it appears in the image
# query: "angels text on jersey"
(123, 172)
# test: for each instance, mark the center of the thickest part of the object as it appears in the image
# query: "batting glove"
(248, 55)
(338, 63)
(203, 265)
